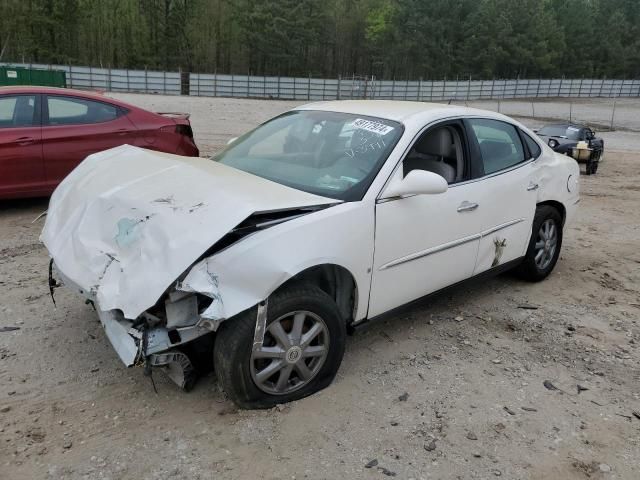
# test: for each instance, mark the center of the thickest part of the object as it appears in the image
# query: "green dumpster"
(32, 76)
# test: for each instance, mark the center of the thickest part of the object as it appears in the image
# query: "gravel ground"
(470, 385)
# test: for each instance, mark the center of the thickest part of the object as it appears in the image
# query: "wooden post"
(613, 113)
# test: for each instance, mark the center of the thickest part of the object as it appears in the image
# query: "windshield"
(561, 131)
(336, 155)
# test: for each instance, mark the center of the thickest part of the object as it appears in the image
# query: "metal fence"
(114, 80)
(353, 87)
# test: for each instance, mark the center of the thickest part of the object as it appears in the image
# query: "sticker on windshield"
(371, 126)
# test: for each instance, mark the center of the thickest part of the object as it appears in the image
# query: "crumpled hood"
(128, 221)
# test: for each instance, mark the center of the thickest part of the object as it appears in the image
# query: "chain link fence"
(353, 87)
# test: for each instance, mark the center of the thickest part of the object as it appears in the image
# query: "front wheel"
(544, 245)
(301, 352)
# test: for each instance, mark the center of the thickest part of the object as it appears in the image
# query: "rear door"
(21, 167)
(509, 178)
(76, 127)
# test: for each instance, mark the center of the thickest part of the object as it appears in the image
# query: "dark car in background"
(46, 132)
(564, 138)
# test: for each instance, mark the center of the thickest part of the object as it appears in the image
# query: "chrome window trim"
(379, 198)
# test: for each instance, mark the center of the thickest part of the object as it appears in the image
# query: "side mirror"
(231, 140)
(417, 182)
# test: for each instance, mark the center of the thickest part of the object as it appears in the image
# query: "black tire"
(528, 269)
(234, 340)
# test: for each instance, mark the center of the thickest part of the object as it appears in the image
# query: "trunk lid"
(128, 221)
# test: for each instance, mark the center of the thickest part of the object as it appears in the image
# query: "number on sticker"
(371, 126)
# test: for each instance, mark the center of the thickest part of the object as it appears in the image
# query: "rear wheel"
(301, 352)
(544, 245)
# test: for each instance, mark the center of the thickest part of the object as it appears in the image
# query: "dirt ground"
(479, 383)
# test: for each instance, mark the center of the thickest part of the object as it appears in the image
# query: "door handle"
(24, 140)
(467, 206)
(122, 132)
(532, 186)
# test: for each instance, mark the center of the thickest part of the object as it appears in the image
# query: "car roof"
(400, 111)
(90, 95)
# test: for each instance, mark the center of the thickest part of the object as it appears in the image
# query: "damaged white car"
(318, 220)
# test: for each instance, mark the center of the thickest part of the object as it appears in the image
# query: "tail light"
(179, 129)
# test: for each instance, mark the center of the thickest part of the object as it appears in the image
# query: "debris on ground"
(372, 463)
(431, 446)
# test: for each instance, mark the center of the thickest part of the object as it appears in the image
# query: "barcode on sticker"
(371, 126)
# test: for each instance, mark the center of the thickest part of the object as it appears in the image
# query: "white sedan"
(318, 220)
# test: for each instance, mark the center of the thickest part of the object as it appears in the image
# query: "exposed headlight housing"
(553, 143)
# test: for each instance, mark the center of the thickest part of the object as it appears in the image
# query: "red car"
(46, 132)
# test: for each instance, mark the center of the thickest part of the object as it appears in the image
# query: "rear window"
(17, 111)
(71, 111)
(534, 148)
(561, 131)
(499, 142)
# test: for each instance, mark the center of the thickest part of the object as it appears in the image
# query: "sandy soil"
(453, 389)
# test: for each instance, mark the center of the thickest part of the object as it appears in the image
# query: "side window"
(439, 150)
(532, 145)
(69, 111)
(17, 111)
(500, 144)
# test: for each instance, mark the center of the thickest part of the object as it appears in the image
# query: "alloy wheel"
(294, 349)
(546, 243)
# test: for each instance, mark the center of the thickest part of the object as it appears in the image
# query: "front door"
(426, 242)
(21, 166)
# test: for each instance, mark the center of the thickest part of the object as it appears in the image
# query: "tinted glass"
(562, 131)
(534, 148)
(335, 155)
(68, 110)
(17, 111)
(500, 144)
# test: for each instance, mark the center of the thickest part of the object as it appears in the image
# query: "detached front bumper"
(136, 341)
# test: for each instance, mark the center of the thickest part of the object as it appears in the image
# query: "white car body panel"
(128, 221)
(253, 268)
(127, 224)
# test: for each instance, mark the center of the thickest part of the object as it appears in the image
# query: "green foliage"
(388, 38)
